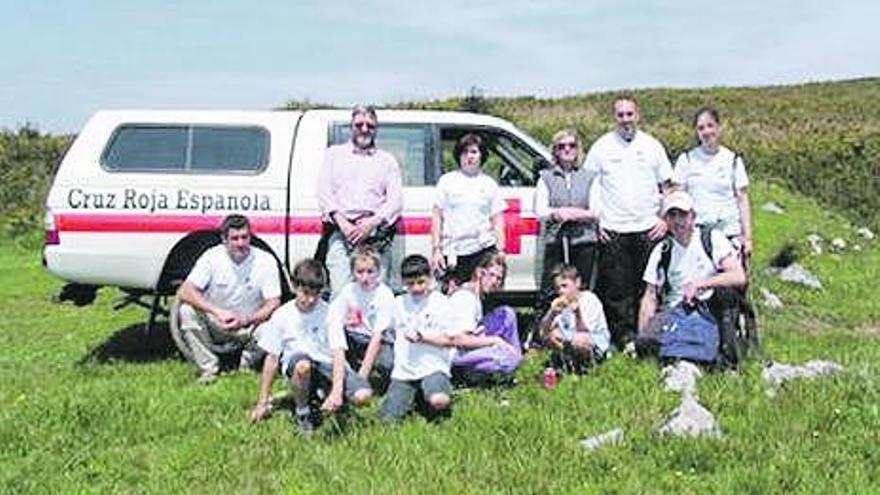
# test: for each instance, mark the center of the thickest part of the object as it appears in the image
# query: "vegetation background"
(90, 402)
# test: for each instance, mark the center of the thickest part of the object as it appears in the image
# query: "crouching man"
(691, 266)
(230, 290)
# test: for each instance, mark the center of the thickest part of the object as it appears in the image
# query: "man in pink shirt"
(360, 193)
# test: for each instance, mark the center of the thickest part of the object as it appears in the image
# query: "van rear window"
(187, 148)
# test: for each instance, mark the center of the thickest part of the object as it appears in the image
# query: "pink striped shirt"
(355, 182)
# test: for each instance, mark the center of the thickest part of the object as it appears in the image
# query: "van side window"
(407, 142)
(510, 162)
(187, 148)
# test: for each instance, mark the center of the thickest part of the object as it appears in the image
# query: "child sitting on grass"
(364, 309)
(488, 347)
(422, 349)
(297, 336)
(574, 328)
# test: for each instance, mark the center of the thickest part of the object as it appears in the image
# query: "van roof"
(184, 115)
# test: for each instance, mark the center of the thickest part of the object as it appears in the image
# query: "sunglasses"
(566, 146)
(363, 125)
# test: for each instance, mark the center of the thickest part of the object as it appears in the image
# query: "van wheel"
(180, 342)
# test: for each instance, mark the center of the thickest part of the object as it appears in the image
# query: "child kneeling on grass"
(298, 337)
(422, 349)
(364, 309)
(574, 328)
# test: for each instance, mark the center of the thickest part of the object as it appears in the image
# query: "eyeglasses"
(361, 125)
(566, 146)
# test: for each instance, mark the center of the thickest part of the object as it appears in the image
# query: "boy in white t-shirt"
(364, 310)
(574, 328)
(423, 349)
(298, 338)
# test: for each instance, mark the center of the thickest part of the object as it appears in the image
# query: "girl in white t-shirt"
(716, 179)
(467, 221)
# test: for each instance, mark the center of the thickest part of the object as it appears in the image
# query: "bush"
(27, 165)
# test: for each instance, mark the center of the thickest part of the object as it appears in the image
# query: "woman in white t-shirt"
(716, 179)
(467, 223)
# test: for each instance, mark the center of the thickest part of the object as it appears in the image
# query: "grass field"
(90, 403)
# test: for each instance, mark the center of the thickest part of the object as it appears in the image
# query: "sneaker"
(207, 377)
(304, 424)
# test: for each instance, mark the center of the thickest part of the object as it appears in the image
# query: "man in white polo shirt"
(230, 290)
(632, 170)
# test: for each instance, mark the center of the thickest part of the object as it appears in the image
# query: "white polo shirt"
(713, 182)
(628, 174)
(240, 287)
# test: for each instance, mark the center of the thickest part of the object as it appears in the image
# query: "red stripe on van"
(515, 225)
(123, 223)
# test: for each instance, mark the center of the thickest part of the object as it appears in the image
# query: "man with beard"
(631, 169)
(360, 195)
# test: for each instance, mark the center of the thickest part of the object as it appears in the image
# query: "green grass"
(90, 404)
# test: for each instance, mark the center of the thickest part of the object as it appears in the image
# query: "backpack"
(692, 334)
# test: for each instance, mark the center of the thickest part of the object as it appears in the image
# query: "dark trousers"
(582, 256)
(622, 261)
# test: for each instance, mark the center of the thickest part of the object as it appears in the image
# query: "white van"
(139, 195)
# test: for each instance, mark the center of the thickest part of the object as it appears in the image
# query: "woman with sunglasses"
(716, 179)
(562, 201)
(467, 222)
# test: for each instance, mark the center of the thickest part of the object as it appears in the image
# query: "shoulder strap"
(663, 266)
(706, 240)
(736, 155)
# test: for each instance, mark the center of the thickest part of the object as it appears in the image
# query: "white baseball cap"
(679, 200)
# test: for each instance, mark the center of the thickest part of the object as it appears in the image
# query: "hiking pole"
(566, 254)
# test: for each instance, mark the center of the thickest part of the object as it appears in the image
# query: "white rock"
(772, 207)
(815, 242)
(838, 244)
(777, 373)
(609, 437)
(771, 300)
(866, 233)
(690, 418)
(795, 273)
(857, 248)
(682, 377)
